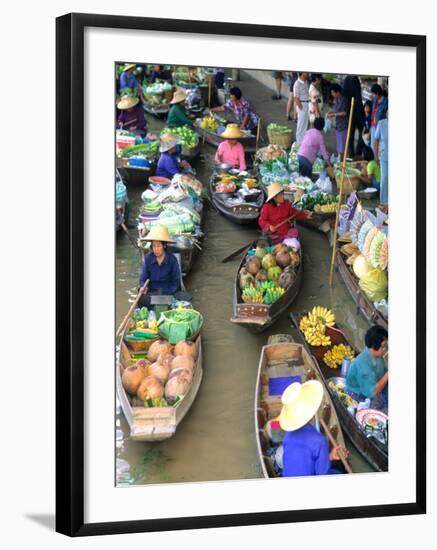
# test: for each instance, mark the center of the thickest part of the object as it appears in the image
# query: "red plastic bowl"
(159, 180)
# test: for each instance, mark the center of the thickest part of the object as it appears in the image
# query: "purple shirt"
(306, 453)
(312, 143)
(340, 106)
(168, 166)
(134, 118)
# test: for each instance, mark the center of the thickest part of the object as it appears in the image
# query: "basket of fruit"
(280, 135)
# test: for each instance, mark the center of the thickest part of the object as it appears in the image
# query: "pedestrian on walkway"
(277, 75)
(381, 156)
(316, 99)
(301, 99)
(340, 113)
(379, 109)
(290, 102)
(352, 89)
(312, 143)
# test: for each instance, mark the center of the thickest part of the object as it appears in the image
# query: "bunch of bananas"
(335, 355)
(314, 326)
(153, 325)
(325, 208)
(141, 324)
(209, 123)
(252, 295)
(155, 402)
(272, 294)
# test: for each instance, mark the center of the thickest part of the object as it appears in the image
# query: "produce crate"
(282, 139)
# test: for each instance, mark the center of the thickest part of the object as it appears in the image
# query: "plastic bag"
(374, 284)
(324, 184)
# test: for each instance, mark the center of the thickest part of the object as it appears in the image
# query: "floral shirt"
(240, 109)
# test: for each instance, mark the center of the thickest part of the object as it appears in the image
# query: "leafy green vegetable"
(279, 128)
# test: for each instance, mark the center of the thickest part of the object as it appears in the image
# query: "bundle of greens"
(148, 150)
(179, 324)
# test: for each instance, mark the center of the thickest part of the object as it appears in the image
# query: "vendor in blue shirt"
(305, 449)
(160, 267)
(127, 78)
(367, 376)
(169, 163)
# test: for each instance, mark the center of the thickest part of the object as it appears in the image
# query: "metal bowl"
(224, 167)
(338, 381)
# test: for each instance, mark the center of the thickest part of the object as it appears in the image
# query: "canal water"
(216, 440)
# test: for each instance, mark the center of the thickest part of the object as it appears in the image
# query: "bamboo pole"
(123, 324)
(335, 444)
(343, 171)
(209, 91)
(258, 131)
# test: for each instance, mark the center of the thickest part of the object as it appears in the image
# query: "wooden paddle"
(143, 290)
(240, 250)
(335, 444)
(125, 229)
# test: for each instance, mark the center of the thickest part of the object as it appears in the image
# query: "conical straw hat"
(127, 102)
(178, 97)
(159, 233)
(300, 403)
(232, 131)
(274, 189)
(129, 66)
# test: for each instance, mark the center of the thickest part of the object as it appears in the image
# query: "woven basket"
(140, 345)
(279, 138)
(350, 183)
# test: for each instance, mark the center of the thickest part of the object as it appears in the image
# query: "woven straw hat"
(159, 233)
(232, 131)
(274, 189)
(168, 141)
(178, 97)
(300, 403)
(129, 66)
(127, 102)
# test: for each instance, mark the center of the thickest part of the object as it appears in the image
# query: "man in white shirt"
(301, 100)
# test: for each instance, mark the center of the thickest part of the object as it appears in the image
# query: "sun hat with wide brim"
(274, 189)
(300, 403)
(232, 131)
(168, 141)
(159, 233)
(129, 66)
(127, 102)
(178, 97)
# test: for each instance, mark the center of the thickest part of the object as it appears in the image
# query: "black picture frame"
(70, 273)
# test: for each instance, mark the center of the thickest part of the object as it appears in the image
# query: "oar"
(335, 444)
(143, 290)
(125, 229)
(240, 250)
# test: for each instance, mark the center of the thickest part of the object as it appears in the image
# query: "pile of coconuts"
(166, 373)
(279, 266)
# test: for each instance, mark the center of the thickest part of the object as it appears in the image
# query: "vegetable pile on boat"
(271, 152)
(143, 326)
(164, 378)
(279, 128)
(313, 325)
(346, 399)
(267, 273)
(224, 179)
(147, 150)
(319, 202)
(179, 324)
(189, 138)
(154, 93)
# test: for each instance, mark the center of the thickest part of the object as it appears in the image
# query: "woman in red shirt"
(278, 210)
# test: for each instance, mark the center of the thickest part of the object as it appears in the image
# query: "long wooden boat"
(135, 175)
(283, 357)
(249, 143)
(259, 317)
(191, 154)
(244, 213)
(370, 448)
(373, 315)
(156, 423)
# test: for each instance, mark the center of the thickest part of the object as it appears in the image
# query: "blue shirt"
(364, 372)
(164, 278)
(306, 453)
(127, 80)
(168, 166)
(381, 134)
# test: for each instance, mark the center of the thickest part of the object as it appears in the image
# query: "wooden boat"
(243, 213)
(370, 448)
(249, 143)
(156, 423)
(366, 306)
(284, 357)
(135, 175)
(158, 111)
(191, 154)
(259, 317)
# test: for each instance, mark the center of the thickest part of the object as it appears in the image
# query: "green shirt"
(177, 117)
(364, 372)
(373, 169)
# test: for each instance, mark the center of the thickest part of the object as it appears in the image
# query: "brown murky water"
(216, 440)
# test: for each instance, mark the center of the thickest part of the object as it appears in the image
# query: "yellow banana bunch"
(334, 357)
(325, 208)
(314, 326)
(323, 315)
(153, 325)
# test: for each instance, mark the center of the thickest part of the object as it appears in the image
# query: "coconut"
(132, 378)
(295, 259)
(184, 362)
(187, 373)
(274, 273)
(260, 252)
(246, 279)
(185, 347)
(281, 247)
(253, 264)
(142, 363)
(283, 259)
(268, 261)
(160, 371)
(261, 275)
(150, 388)
(158, 347)
(165, 359)
(178, 385)
(286, 279)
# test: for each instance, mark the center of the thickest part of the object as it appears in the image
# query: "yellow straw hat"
(232, 131)
(274, 189)
(178, 97)
(168, 141)
(127, 102)
(300, 403)
(129, 66)
(159, 233)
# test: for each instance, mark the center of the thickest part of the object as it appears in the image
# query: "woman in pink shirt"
(313, 142)
(231, 151)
